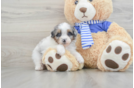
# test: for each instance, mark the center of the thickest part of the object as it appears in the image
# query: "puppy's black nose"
(64, 40)
(83, 9)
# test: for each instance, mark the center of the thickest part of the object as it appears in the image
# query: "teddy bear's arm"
(116, 30)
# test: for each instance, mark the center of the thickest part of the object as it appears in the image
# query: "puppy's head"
(64, 34)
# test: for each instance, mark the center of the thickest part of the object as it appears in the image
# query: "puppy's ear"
(74, 32)
(54, 31)
(52, 34)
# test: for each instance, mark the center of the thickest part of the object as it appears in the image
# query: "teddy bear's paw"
(56, 62)
(116, 56)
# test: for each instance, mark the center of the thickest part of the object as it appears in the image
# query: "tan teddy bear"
(104, 45)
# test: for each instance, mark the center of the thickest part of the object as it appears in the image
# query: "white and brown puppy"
(62, 37)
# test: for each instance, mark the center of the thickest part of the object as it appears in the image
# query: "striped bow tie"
(86, 36)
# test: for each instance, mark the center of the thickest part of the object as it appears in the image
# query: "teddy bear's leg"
(117, 54)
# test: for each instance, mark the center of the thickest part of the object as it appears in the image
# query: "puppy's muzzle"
(64, 41)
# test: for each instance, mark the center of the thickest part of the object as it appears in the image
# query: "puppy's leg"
(77, 56)
(37, 59)
(60, 49)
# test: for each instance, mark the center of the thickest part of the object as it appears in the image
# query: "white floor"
(86, 78)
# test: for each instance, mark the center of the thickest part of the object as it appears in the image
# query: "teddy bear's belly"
(91, 55)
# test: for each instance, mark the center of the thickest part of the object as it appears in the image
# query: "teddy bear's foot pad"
(55, 62)
(116, 56)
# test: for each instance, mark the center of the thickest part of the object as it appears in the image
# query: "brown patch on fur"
(68, 30)
(73, 38)
(72, 33)
(58, 31)
(57, 40)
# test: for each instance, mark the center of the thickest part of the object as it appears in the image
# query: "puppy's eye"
(76, 2)
(69, 34)
(58, 35)
(90, 0)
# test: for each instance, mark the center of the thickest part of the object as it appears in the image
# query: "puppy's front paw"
(60, 50)
(80, 59)
(39, 68)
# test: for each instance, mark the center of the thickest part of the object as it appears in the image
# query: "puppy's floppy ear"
(52, 34)
(74, 31)
(54, 31)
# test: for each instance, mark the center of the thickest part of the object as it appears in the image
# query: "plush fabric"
(55, 62)
(104, 9)
(95, 28)
(103, 35)
(85, 31)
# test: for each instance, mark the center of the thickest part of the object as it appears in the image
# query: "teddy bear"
(66, 62)
(103, 44)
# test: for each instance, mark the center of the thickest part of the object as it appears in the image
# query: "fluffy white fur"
(50, 42)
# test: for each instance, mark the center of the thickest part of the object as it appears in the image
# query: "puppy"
(62, 37)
